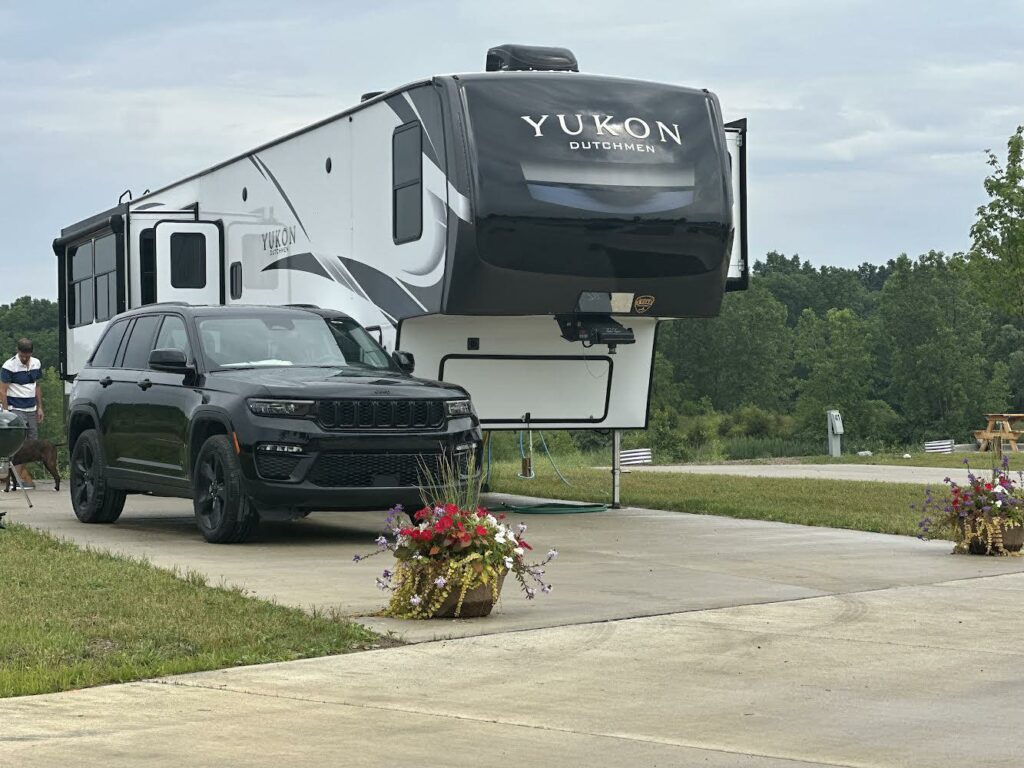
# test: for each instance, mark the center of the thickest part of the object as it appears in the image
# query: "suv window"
(105, 353)
(140, 343)
(173, 335)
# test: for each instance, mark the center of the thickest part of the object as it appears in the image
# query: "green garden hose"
(551, 508)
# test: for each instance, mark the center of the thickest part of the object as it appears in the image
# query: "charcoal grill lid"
(12, 432)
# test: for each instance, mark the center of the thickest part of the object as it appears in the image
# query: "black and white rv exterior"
(511, 228)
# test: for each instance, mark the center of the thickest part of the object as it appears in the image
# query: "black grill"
(275, 466)
(368, 470)
(380, 414)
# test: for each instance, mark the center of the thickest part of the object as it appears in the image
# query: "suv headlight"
(296, 408)
(455, 408)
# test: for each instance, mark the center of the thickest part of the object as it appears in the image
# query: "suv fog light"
(278, 448)
(464, 447)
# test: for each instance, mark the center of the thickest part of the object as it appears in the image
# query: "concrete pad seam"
(513, 723)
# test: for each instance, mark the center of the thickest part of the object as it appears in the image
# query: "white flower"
(519, 551)
(508, 563)
(500, 537)
(999, 502)
(491, 519)
(998, 489)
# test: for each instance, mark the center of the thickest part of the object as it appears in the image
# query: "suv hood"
(326, 383)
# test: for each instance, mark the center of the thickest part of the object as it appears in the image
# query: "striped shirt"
(21, 382)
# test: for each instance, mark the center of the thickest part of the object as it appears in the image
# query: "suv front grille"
(380, 414)
(368, 470)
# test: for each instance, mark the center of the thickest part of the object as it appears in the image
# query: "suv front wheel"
(224, 513)
(91, 498)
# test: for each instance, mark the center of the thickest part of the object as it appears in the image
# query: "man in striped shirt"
(20, 389)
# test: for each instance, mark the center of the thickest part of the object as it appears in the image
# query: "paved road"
(671, 639)
(872, 472)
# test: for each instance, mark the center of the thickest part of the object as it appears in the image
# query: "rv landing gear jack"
(616, 468)
(527, 472)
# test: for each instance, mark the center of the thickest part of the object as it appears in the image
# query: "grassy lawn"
(71, 618)
(863, 506)
(981, 462)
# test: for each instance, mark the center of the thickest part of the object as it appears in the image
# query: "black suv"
(257, 412)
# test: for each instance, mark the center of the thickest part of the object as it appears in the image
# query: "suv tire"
(91, 498)
(224, 514)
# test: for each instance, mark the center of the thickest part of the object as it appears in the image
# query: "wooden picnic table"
(999, 428)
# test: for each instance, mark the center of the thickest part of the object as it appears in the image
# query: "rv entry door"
(189, 262)
(739, 266)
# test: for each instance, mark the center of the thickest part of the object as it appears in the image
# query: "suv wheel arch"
(204, 426)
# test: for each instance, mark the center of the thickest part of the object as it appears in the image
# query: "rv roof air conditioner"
(525, 58)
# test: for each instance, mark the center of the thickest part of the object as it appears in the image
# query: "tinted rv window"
(236, 280)
(407, 183)
(80, 285)
(597, 176)
(147, 265)
(188, 260)
(105, 256)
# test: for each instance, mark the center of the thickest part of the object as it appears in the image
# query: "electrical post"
(616, 468)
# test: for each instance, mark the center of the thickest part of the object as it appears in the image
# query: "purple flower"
(356, 558)
(530, 593)
(415, 600)
(382, 542)
(386, 574)
(440, 581)
(546, 589)
(552, 554)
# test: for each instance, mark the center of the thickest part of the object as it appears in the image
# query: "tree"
(997, 251)
(743, 356)
(935, 329)
(35, 319)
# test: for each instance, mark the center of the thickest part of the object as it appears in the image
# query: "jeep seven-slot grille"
(380, 414)
(368, 470)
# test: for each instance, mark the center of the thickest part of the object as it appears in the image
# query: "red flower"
(501, 516)
(524, 545)
(481, 531)
(422, 514)
(461, 526)
(481, 513)
(451, 509)
(988, 486)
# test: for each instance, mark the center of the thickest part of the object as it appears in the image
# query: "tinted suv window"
(140, 344)
(105, 353)
(173, 335)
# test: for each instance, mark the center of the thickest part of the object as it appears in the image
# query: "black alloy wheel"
(91, 498)
(224, 514)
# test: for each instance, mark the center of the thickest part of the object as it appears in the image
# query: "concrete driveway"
(670, 639)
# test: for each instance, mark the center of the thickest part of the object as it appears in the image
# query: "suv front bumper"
(295, 465)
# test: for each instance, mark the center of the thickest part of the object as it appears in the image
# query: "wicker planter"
(478, 602)
(1012, 541)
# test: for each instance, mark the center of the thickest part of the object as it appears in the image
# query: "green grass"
(862, 506)
(982, 462)
(72, 618)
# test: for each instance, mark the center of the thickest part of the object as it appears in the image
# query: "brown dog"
(36, 450)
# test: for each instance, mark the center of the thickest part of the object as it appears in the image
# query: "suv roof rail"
(167, 304)
(302, 306)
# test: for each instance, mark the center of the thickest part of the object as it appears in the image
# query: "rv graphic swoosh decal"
(259, 162)
(383, 290)
(301, 262)
(439, 233)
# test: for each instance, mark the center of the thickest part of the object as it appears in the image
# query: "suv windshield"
(258, 341)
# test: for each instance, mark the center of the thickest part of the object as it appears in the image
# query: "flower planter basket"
(478, 602)
(1003, 539)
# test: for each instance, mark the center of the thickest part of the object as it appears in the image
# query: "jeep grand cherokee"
(256, 412)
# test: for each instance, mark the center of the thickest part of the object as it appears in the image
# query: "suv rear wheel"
(224, 513)
(91, 499)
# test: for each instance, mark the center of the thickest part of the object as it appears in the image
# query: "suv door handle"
(106, 381)
(145, 384)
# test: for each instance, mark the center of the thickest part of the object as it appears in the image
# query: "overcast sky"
(868, 119)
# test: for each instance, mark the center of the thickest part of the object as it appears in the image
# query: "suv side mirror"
(169, 360)
(404, 360)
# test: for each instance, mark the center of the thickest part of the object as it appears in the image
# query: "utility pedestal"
(835, 430)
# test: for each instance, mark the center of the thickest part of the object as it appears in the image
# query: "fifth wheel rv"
(520, 231)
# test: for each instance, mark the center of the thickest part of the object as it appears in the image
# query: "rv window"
(147, 266)
(407, 183)
(105, 353)
(106, 282)
(80, 285)
(236, 280)
(140, 343)
(188, 260)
